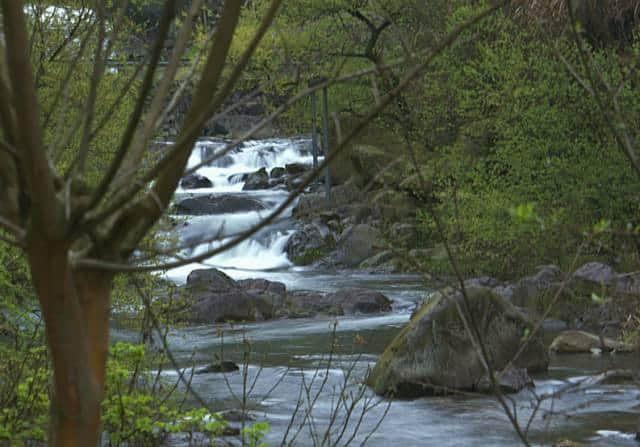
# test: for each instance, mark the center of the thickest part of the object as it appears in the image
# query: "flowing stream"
(297, 362)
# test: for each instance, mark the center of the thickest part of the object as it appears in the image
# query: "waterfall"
(265, 250)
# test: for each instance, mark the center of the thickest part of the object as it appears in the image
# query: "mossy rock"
(434, 352)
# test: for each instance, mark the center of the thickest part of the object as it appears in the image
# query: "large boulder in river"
(195, 181)
(574, 342)
(215, 297)
(257, 180)
(434, 352)
(218, 204)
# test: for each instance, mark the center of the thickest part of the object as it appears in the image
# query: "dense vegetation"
(519, 160)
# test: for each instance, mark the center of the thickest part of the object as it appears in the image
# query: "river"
(300, 363)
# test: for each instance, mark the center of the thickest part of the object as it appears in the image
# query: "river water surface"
(297, 364)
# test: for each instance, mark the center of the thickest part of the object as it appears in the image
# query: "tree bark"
(75, 306)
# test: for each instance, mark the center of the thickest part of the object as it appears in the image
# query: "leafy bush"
(525, 133)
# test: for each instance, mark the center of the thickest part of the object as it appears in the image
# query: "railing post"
(314, 141)
(325, 138)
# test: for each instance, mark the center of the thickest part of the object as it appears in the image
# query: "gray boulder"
(215, 297)
(347, 301)
(434, 352)
(310, 243)
(195, 181)
(257, 180)
(218, 204)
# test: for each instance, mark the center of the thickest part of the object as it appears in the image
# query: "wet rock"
(296, 168)
(277, 172)
(310, 243)
(343, 302)
(306, 303)
(313, 204)
(359, 301)
(263, 287)
(195, 181)
(434, 352)
(215, 297)
(510, 380)
(271, 291)
(217, 204)
(257, 180)
(572, 342)
(220, 367)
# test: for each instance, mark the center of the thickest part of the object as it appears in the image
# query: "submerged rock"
(573, 342)
(220, 367)
(434, 352)
(510, 380)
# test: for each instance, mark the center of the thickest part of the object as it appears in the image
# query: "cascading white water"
(264, 250)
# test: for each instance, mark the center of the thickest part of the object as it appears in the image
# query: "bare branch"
(134, 119)
(144, 134)
(38, 176)
(66, 80)
(78, 163)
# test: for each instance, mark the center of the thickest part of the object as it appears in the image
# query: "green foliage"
(136, 410)
(531, 165)
(255, 433)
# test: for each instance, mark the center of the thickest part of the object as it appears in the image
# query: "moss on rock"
(434, 352)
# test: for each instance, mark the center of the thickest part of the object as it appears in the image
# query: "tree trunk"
(75, 306)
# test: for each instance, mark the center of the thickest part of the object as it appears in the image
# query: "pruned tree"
(63, 219)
